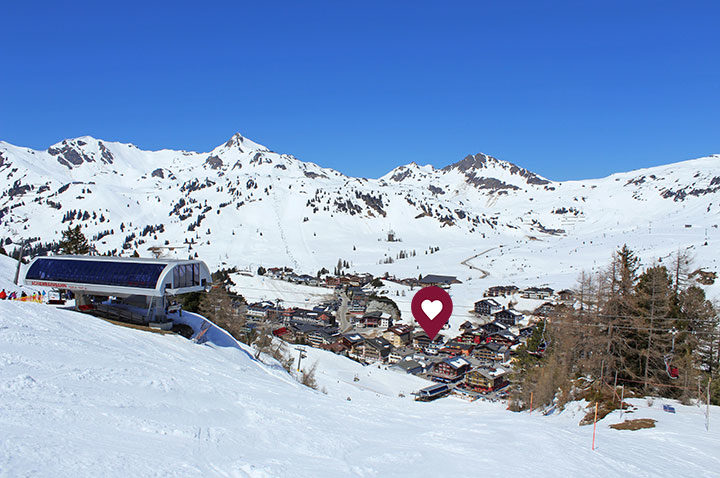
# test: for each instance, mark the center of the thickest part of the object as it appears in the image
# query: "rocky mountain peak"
(474, 165)
(85, 149)
(241, 143)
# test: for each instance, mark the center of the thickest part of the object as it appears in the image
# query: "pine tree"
(654, 299)
(218, 306)
(74, 242)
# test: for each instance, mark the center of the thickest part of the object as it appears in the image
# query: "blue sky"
(569, 90)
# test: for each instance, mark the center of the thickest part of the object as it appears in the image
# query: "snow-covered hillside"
(81, 397)
(244, 205)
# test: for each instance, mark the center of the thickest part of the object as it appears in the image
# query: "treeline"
(652, 330)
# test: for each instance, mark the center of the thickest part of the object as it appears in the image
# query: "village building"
(356, 307)
(285, 334)
(501, 291)
(567, 296)
(503, 337)
(492, 352)
(422, 343)
(375, 350)
(400, 353)
(541, 293)
(408, 366)
(457, 348)
(451, 369)
(353, 342)
(433, 392)
(319, 337)
(301, 330)
(399, 335)
(507, 317)
(485, 379)
(465, 326)
(259, 309)
(492, 328)
(473, 336)
(487, 307)
(377, 318)
(310, 317)
(337, 347)
(438, 281)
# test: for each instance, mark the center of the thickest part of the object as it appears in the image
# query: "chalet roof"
(456, 362)
(403, 351)
(408, 365)
(491, 302)
(432, 389)
(305, 313)
(494, 347)
(503, 287)
(400, 329)
(379, 343)
(354, 338)
(303, 328)
(493, 325)
(508, 312)
(335, 347)
(459, 345)
(265, 304)
(506, 333)
(438, 279)
(491, 372)
(538, 289)
(322, 333)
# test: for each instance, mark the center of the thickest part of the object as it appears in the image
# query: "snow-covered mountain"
(243, 204)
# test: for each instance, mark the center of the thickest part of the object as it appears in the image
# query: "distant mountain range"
(242, 204)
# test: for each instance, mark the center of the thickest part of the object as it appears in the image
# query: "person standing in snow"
(3, 295)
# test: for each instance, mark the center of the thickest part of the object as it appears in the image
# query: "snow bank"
(82, 397)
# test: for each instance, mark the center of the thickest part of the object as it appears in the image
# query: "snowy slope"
(81, 397)
(7, 273)
(243, 205)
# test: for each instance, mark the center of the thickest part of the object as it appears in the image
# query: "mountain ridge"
(242, 203)
(469, 162)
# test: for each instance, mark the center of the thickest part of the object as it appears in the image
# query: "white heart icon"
(431, 308)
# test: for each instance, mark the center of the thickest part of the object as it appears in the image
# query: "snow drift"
(82, 397)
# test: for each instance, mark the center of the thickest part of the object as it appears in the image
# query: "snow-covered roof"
(456, 362)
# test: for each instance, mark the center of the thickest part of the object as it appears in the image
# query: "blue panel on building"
(123, 274)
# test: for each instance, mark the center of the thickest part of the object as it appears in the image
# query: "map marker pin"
(431, 307)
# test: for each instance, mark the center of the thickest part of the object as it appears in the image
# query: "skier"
(3, 295)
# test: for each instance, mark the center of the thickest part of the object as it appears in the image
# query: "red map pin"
(431, 307)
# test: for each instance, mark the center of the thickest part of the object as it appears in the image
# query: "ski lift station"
(132, 289)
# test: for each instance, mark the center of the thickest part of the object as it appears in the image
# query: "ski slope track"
(244, 205)
(82, 397)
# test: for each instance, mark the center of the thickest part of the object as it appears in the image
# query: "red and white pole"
(594, 425)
